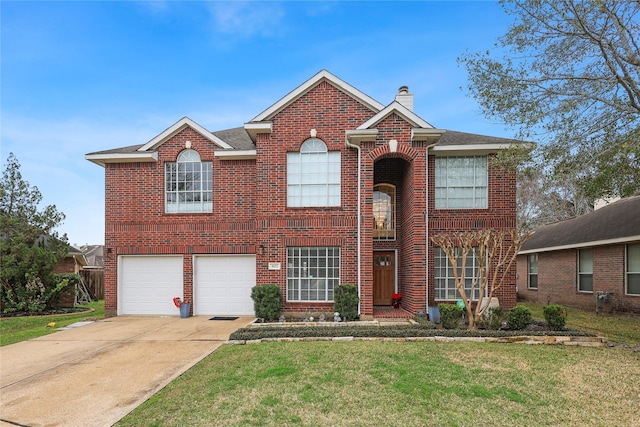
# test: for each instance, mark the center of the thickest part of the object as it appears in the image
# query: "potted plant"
(395, 300)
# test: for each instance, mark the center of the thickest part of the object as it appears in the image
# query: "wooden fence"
(94, 281)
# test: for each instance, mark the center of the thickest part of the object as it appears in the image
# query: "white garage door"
(148, 284)
(222, 284)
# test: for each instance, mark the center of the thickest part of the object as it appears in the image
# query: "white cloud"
(246, 19)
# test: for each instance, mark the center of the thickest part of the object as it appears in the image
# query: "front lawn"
(400, 384)
(618, 328)
(16, 329)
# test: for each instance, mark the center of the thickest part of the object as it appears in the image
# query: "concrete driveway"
(93, 375)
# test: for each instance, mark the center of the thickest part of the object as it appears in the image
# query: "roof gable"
(177, 127)
(399, 109)
(321, 76)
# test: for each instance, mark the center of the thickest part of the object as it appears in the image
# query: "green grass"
(400, 384)
(16, 329)
(618, 328)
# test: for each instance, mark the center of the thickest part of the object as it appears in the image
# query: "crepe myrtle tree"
(495, 252)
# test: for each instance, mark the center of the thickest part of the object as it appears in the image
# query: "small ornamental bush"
(492, 318)
(346, 301)
(519, 317)
(267, 301)
(450, 315)
(555, 316)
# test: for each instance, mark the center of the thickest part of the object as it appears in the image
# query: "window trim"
(303, 273)
(626, 269)
(296, 175)
(377, 232)
(530, 273)
(205, 183)
(447, 277)
(586, 273)
(438, 200)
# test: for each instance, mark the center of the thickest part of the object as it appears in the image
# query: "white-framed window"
(585, 270)
(312, 273)
(188, 184)
(313, 176)
(445, 285)
(633, 269)
(384, 212)
(461, 182)
(533, 271)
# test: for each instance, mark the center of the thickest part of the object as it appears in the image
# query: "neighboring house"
(327, 186)
(94, 254)
(596, 255)
(72, 263)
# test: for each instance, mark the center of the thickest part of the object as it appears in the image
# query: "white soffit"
(312, 82)
(469, 149)
(177, 127)
(102, 159)
(236, 154)
(402, 111)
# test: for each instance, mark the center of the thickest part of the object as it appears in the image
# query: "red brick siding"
(250, 213)
(500, 215)
(136, 222)
(558, 278)
(330, 112)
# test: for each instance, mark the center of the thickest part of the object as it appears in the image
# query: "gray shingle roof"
(619, 220)
(238, 138)
(452, 137)
(121, 150)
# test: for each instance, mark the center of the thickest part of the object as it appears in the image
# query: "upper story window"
(313, 176)
(384, 212)
(461, 182)
(633, 269)
(585, 270)
(533, 271)
(188, 184)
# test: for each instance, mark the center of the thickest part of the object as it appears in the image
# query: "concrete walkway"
(93, 375)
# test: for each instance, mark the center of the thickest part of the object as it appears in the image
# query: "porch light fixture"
(393, 145)
(261, 250)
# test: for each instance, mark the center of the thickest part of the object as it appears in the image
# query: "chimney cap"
(403, 89)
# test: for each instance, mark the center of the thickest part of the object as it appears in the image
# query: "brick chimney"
(405, 98)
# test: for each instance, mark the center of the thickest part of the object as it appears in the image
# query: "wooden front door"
(384, 277)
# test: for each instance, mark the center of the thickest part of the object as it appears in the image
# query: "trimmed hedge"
(267, 301)
(555, 316)
(392, 331)
(346, 301)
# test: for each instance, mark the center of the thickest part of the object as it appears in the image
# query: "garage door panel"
(148, 284)
(222, 285)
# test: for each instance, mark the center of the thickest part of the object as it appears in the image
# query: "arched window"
(384, 212)
(313, 176)
(188, 184)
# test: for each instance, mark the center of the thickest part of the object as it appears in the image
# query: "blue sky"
(78, 77)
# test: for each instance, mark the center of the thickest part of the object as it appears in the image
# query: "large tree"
(567, 75)
(29, 244)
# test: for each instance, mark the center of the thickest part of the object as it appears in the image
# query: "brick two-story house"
(327, 186)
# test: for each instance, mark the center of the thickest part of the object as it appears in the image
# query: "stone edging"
(578, 341)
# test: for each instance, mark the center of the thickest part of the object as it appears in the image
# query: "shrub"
(519, 317)
(492, 318)
(450, 315)
(555, 316)
(267, 301)
(346, 301)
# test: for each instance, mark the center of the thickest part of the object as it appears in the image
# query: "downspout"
(426, 218)
(357, 147)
